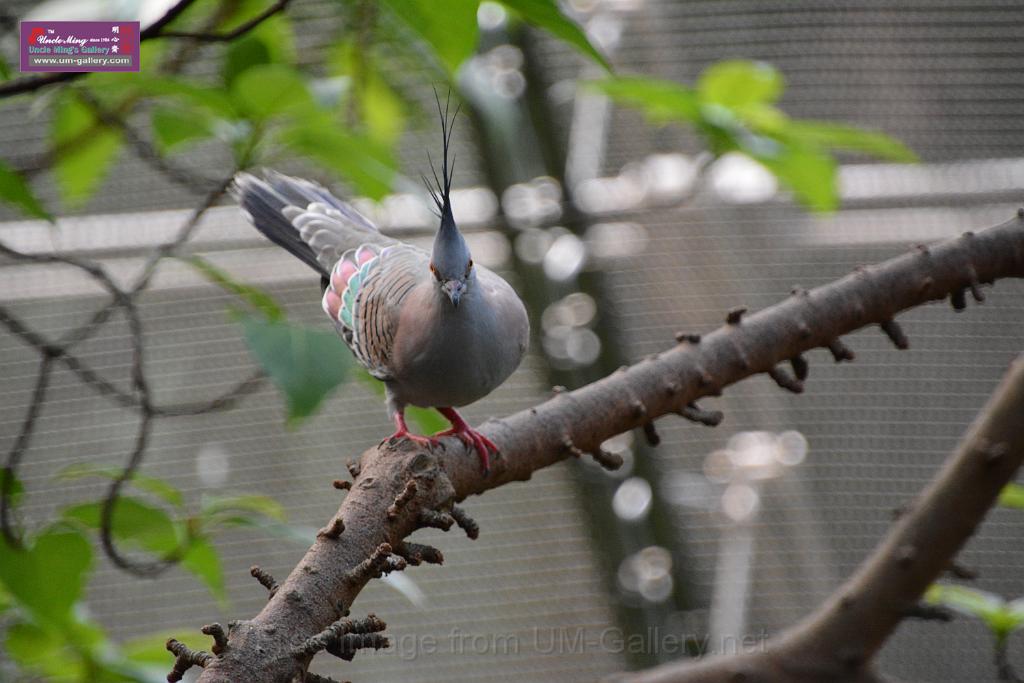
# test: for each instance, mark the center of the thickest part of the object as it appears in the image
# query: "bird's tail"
(304, 218)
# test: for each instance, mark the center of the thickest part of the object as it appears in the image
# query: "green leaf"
(382, 110)
(810, 173)
(47, 577)
(220, 506)
(659, 100)
(15, 190)
(733, 109)
(85, 149)
(839, 136)
(272, 41)
(1002, 618)
(32, 646)
(201, 559)
(255, 297)
(175, 126)
(738, 83)
(17, 488)
(363, 162)
(1012, 496)
(152, 647)
(546, 14)
(428, 420)
(178, 89)
(968, 601)
(268, 90)
(254, 512)
(46, 656)
(158, 487)
(299, 534)
(452, 32)
(6, 602)
(246, 52)
(305, 363)
(134, 522)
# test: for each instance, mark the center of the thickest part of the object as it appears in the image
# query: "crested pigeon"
(437, 330)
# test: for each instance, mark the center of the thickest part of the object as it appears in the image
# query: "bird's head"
(450, 261)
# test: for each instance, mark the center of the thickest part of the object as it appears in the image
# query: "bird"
(439, 330)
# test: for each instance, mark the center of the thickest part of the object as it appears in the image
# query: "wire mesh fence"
(534, 597)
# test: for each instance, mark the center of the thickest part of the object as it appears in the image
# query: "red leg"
(470, 436)
(402, 432)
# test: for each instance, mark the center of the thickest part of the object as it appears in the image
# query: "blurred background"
(618, 233)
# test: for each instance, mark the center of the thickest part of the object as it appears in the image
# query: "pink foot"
(402, 432)
(470, 437)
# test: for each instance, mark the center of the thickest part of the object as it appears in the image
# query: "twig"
(189, 179)
(138, 398)
(839, 640)
(183, 235)
(17, 451)
(236, 32)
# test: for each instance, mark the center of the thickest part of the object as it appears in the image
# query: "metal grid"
(943, 76)
(877, 429)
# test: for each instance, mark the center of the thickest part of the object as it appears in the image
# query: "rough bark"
(272, 647)
(838, 641)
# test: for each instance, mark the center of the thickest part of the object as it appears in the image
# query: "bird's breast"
(448, 356)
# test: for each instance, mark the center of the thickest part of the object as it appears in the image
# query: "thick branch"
(838, 640)
(326, 580)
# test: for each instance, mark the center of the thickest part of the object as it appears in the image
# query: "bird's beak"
(454, 290)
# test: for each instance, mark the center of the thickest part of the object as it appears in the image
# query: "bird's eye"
(469, 267)
(433, 269)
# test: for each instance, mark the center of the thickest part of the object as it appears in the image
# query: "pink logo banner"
(79, 46)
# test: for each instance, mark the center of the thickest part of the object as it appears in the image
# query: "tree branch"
(236, 32)
(838, 641)
(334, 570)
(138, 397)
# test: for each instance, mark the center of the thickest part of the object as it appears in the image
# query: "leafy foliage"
(261, 107)
(305, 363)
(47, 633)
(547, 15)
(255, 297)
(1001, 616)
(157, 487)
(87, 148)
(382, 110)
(451, 34)
(733, 107)
(176, 126)
(46, 578)
(15, 190)
(1012, 496)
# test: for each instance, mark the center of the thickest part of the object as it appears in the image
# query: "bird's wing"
(368, 287)
(304, 218)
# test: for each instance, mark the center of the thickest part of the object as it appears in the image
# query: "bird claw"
(475, 440)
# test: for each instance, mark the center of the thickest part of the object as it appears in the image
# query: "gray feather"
(304, 218)
(399, 322)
